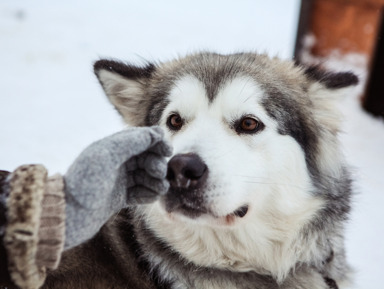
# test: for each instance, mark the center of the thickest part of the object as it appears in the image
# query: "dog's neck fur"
(245, 251)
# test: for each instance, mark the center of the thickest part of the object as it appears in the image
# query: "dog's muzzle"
(187, 175)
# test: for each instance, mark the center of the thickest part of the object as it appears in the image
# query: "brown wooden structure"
(349, 26)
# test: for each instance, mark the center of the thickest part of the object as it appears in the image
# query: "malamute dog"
(260, 191)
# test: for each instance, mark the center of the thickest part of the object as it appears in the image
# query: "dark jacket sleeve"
(5, 280)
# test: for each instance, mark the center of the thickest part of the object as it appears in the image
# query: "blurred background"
(52, 107)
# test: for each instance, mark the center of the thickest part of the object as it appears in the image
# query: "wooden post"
(346, 26)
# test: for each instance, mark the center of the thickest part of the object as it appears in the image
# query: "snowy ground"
(51, 105)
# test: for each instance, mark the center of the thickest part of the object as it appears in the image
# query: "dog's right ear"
(124, 84)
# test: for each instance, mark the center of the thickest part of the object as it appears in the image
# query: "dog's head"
(254, 138)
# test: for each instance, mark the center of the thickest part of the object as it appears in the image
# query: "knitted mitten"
(124, 169)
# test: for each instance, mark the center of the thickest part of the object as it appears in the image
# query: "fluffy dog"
(260, 191)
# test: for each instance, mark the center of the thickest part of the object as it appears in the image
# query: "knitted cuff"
(29, 230)
(52, 224)
(26, 190)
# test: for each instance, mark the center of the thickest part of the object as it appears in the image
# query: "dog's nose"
(187, 171)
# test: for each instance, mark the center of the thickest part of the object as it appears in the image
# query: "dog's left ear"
(325, 90)
(331, 80)
(125, 84)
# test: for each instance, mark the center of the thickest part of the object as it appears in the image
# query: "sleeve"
(5, 279)
(34, 224)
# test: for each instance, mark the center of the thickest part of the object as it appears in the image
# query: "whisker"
(274, 183)
(223, 154)
(266, 181)
(241, 91)
(116, 215)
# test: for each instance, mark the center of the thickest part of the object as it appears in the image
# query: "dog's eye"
(175, 122)
(248, 125)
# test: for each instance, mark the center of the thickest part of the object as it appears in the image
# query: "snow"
(51, 105)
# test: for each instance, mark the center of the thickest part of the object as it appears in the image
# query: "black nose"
(187, 171)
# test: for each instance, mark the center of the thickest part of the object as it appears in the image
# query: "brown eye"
(175, 122)
(248, 125)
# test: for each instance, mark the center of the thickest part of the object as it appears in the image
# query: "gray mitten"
(127, 168)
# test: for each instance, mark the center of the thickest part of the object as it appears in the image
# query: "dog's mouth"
(190, 211)
(194, 212)
(241, 212)
(193, 205)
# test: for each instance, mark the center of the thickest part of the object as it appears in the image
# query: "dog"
(259, 188)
